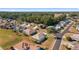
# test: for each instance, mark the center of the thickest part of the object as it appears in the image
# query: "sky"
(40, 9)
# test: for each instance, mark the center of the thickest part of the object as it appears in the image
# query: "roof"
(76, 47)
(57, 27)
(23, 25)
(36, 27)
(75, 37)
(29, 31)
(51, 27)
(77, 27)
(40, 37)
(62, 23)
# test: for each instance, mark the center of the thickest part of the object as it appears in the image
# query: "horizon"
(39, 9)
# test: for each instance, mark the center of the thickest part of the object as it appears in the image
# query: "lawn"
(8, 38)
(47, 44)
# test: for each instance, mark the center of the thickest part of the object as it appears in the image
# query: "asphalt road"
(60, 35)
(57, 44)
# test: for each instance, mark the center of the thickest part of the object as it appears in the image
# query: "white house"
(23, 26)
(29, 31)
(57, 27)
(39, 37)
(62, 23)
(28, 25)
(77, 27)
(52, 27)
(36, 27)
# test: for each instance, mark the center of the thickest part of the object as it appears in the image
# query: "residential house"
(42, 26)
(0, 20)
(77, 27)
(69, 44)
(22, 27)
(67, 21)
(62, 23)
(75, 37)
(16, 28)
(9, 20)
(52, 27)
(57, 27)
(29, 31)
(28, 24)
(40, 37)
(36, 28)
(76, 47)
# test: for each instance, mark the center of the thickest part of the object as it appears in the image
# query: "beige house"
(29, 31)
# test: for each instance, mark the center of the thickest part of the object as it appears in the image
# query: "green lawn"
(8, 38)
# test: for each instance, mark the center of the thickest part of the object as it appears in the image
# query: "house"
(69, 44)
(40, 37)
(32, 24)
(52, 27)
(76, 47)
(42, 26)
(9, 20)
(0, 20)
(57, 27)
(15, 28)
(28, 25)
(36, 28)
(67, 21)
(29, 31)
(13, 22)
(22, 27)
(62, 23)
(75, 37)
(77, 27)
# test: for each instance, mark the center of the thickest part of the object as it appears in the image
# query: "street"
(59, 37)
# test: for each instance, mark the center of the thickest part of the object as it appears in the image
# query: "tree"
(69, 38)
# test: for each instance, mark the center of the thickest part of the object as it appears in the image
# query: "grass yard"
(8, 38)
(47, 44)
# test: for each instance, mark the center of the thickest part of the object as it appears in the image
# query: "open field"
(8, 38)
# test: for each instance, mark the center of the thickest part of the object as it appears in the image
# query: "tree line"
(46, 18)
